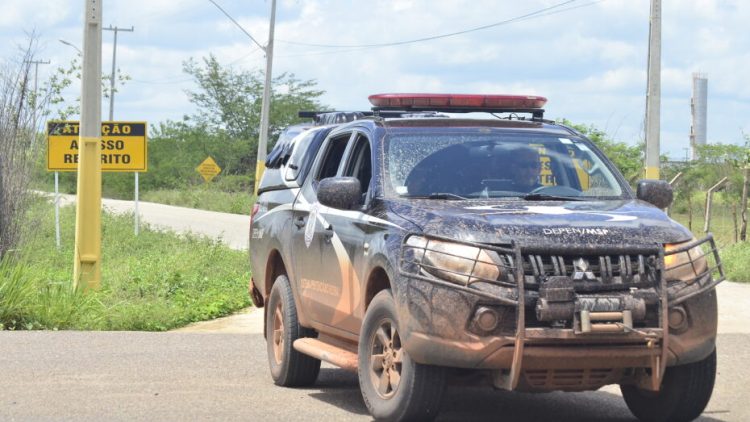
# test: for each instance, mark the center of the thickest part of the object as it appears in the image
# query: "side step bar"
(337, 354)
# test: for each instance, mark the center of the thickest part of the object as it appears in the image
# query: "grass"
(155, 281)
(736, 260)
(735, 256)
(204, 198)
(723, 215)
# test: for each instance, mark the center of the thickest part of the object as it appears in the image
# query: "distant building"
(698, 109)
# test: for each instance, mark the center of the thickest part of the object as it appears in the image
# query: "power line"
(548, 11)
(534, 15)
(434, 37)
(237, 24)
(567, 9)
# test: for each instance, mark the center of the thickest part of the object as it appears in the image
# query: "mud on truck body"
(403, 245)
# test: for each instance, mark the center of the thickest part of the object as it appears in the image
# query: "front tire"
(684, 394)
(289, 368)
(393, 386)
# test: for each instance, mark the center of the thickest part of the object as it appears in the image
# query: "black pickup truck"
(413, 244)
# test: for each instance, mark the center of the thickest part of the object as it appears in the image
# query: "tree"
(64, 76)
(229, 103)
(20, 113)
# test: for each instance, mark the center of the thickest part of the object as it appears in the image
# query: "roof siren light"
(464, 102)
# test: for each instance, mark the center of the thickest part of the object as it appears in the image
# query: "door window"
(360, 163)
(332, 158)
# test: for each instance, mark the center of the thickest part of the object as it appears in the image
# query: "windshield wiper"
(547, 197)
(439, 195)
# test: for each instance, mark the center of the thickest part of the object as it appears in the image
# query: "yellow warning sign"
(123, 146)
(208, 169)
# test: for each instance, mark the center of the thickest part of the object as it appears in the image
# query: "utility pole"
(115, 29)
(266, 105)
(653, 101)
(87, 263)
(36, 64)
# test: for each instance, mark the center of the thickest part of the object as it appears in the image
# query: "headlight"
(462, 264)
(684, 266)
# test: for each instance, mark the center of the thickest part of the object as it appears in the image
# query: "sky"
(588, 57)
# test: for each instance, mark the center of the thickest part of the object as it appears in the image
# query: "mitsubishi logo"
(581, 270)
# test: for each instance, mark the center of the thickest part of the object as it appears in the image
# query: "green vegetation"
(225, 127)
(713, 162)
(691, 214)
(156, 281)
(736, 259)
(204, 198)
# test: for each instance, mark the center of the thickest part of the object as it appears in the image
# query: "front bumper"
(675, 323)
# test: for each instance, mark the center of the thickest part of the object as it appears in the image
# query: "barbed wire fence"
(717, 206)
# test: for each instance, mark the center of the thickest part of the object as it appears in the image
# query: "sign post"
(208, 169)
(122, 147)
(57, 209)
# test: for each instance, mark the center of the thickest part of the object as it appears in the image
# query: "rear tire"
(289, 368)
(394, 387)
(684, 394)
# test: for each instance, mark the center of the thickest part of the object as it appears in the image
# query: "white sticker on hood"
(554, 210)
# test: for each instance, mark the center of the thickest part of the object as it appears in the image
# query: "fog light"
(486, 319)
(678, 320)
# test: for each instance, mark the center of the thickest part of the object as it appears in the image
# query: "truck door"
(317, 272)
(354, 233)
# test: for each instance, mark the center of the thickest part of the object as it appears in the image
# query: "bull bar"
(422, 255)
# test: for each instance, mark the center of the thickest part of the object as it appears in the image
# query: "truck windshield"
(492, 165)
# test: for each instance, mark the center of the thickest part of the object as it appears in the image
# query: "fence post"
(709, 201)
(743, 205)
(673, 183)
(734, 222)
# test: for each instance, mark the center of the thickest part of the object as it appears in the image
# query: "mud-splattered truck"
(416, 242)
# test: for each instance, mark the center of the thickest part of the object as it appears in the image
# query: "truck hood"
(612, 222)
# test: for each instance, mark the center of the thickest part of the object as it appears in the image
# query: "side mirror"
(344, 193)
(656, 192)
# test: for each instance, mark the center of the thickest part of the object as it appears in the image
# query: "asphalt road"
(218, 371)
(232, 229)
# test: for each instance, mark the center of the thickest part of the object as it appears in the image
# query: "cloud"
(589, 61)
(38, 14)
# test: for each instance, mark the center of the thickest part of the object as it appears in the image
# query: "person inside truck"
(525, 168)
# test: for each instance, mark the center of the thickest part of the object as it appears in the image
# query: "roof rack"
(322, 118)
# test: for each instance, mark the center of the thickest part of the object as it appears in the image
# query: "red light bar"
(463, 101)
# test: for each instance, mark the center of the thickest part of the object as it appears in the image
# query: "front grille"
(591, 268)
(592, 272)
(570, 379)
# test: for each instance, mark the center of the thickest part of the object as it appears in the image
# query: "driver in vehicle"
(525, 168)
